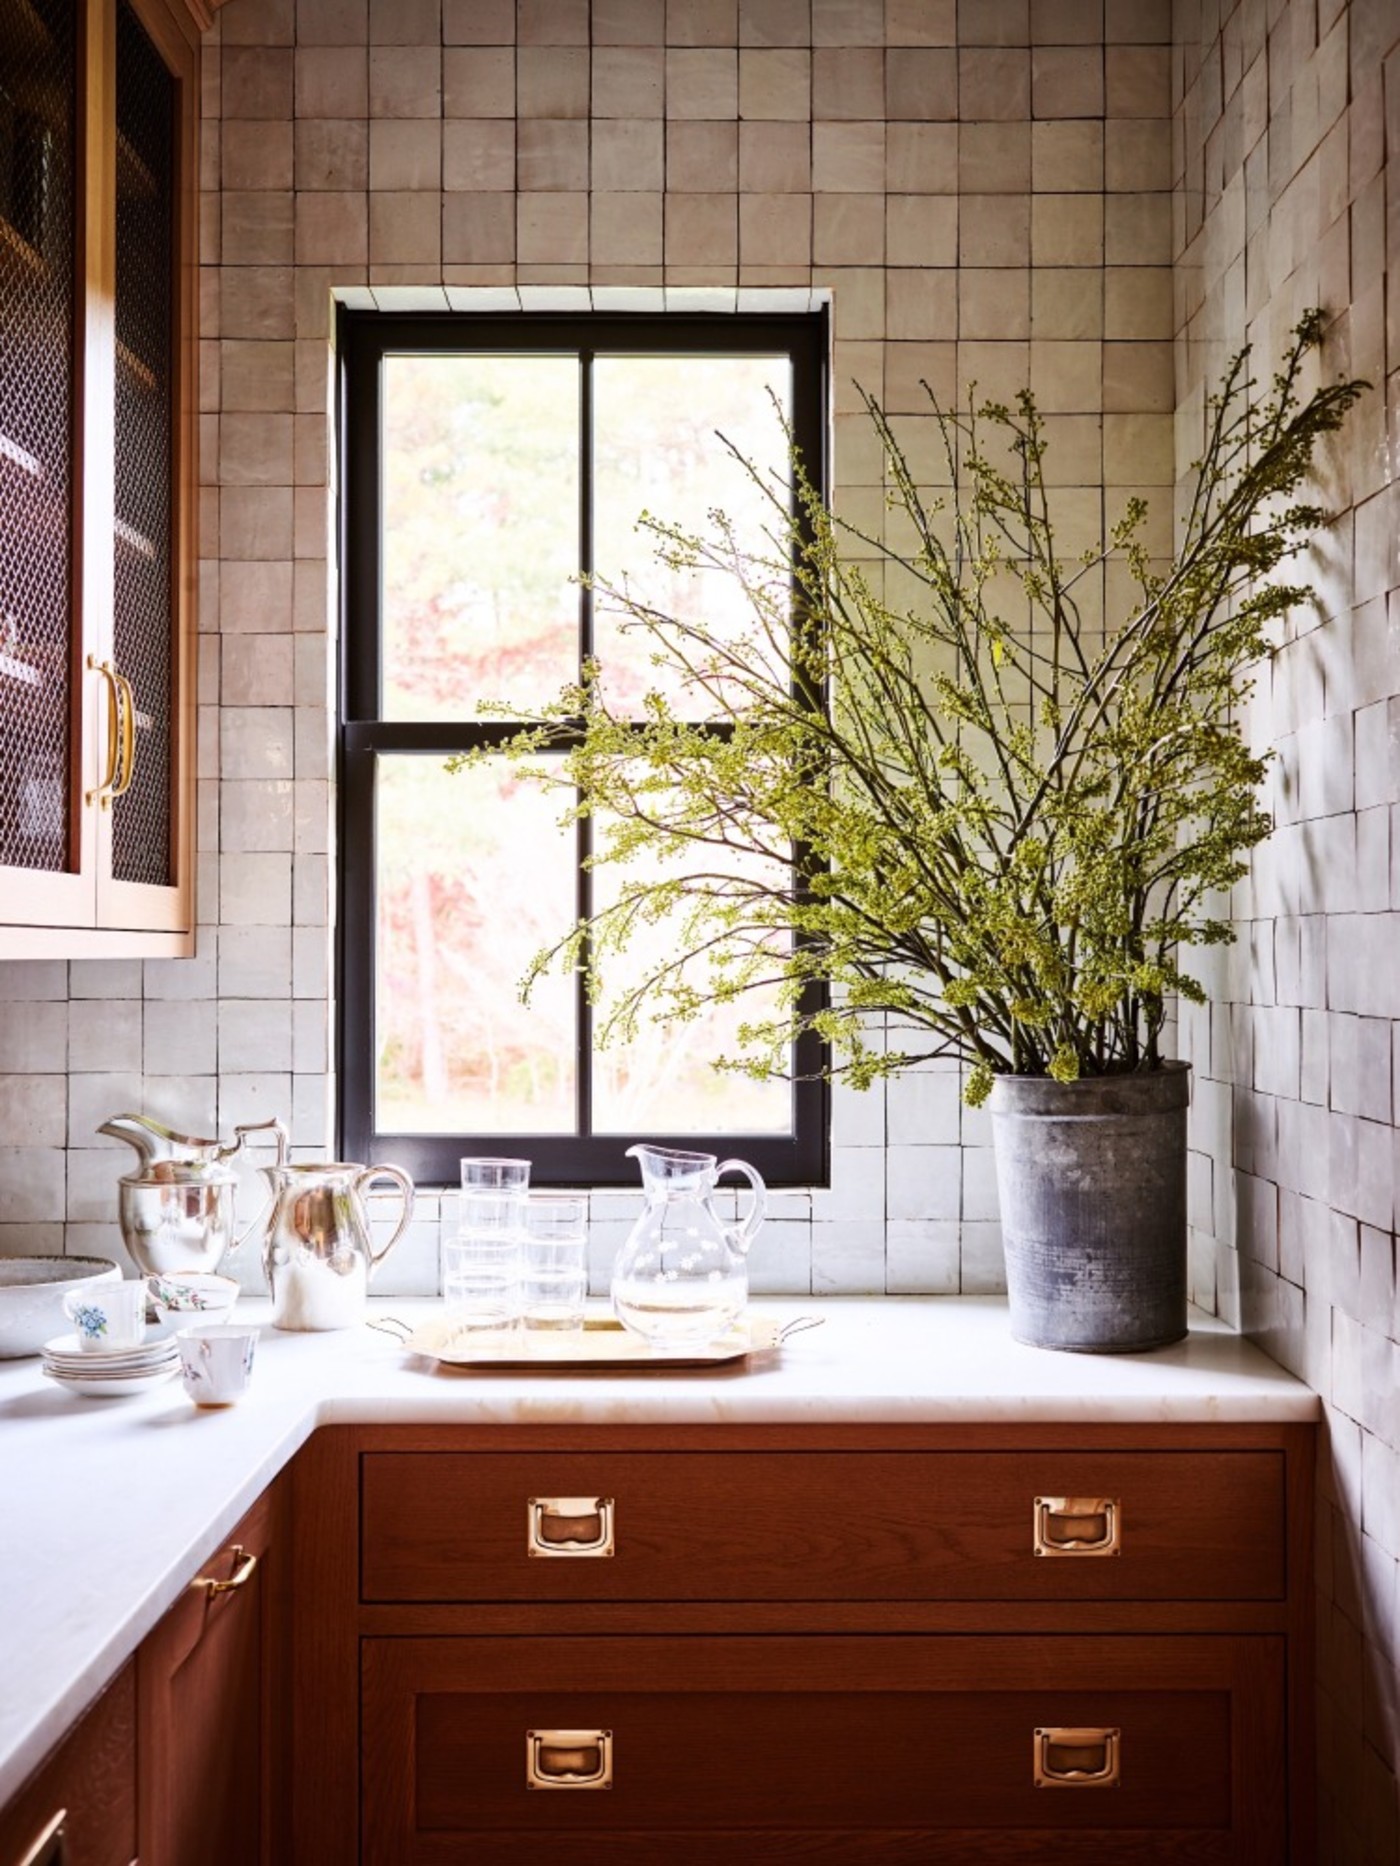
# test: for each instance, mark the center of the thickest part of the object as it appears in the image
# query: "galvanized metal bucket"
(1091, 1177)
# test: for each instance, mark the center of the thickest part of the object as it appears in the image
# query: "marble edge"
(876, 1409)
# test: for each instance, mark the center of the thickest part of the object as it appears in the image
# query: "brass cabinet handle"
(104, 791)
(1077, 1758)
(1078, 1526)
(128, 761)
(48, 1848)
(571, 1526)
(244, 1560)
(568, 1758)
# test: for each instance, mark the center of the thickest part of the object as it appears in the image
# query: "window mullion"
(583, 1073)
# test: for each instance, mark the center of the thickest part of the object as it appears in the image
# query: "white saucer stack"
(113, 1374)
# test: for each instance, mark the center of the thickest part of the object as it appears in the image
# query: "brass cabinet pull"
(1078, 1526)
(48, 1848)
(568, 1758)
(104, 791)
(244, 1562)
(128, 760)
(571, 1526)
(1077, 1758)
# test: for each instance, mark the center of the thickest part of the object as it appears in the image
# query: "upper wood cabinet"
(98, 175)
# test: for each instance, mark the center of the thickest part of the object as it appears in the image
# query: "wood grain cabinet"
(98, 170)
(181, 1761)
(80, 1809)
(982, 1644)
(212, 1694)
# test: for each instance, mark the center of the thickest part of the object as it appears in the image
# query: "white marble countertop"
(108, 1507)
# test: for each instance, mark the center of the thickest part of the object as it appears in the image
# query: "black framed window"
(487, 464)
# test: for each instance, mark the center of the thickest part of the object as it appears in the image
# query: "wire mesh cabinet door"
(144, 877)
(46, 843)
(98, 151)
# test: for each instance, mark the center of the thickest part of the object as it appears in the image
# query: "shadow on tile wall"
(1287, 191)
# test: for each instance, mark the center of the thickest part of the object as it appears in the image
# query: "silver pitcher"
(318, 1247)
(177, 1209)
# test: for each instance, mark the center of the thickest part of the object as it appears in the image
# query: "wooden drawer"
(93, 1776)
(850, 1750)
(694, 1526)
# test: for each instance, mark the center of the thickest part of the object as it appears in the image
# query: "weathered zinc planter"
(1092, 1181)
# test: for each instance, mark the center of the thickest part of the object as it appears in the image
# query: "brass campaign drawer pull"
(1077, 1758)
(568, 1758)
(48, 1848)
(571, 1526)
(1078, 1526)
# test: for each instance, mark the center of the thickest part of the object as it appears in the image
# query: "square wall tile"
(704, 157)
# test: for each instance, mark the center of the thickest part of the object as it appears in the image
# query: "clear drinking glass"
(493, 1198)
(481, 1281)
(484, 1173)
(481, 1264)
(554, 1266)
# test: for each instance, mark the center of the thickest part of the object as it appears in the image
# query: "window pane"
(473, 877)
(665, 1080)
(657, 422)
(480, 532)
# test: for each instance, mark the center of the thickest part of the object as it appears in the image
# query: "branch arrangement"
(1010, 815)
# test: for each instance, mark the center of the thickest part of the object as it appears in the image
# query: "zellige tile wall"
(983, 189)
(1288, 174)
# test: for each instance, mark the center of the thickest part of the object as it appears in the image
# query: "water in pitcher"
(680, 1314)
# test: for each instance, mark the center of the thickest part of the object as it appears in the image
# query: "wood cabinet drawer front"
(93, 1776)
(849, 1750)
(821, 1526)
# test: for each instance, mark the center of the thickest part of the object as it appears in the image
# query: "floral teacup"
(109, 1317)
(184, 1297)
(216, 1361)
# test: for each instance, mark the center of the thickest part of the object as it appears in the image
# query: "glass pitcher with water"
(681, 1278)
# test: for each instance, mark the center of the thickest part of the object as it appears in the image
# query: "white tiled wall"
(982, 187)
(1288, 169)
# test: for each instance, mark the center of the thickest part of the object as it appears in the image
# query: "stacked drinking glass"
(518, 1257)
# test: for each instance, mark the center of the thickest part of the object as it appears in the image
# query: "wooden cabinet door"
(47, 839)
(145, 838)
(211, 1743)
(98, 480)
(85, 1792)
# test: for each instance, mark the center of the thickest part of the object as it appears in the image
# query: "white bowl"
(31, 1297)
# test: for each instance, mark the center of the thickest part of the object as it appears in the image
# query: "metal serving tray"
(602, 1344)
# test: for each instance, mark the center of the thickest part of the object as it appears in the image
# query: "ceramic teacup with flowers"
(183, 1297)
(108, 1317)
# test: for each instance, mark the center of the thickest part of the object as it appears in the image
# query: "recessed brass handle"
(244, 1562)
(48, 1848)
(1072, 1757)
(571, 1526)
(103, 793)
(1078, 1526)
(568, 1758)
